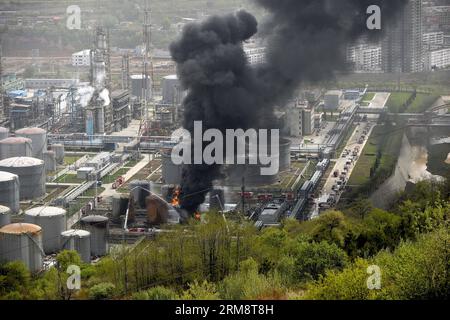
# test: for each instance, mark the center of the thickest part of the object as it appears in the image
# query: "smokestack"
(305, 42)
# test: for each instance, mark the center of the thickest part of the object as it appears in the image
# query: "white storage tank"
(31, 174)
(172, 92)
(79, 241)
(5, 216)
(4, 133)
(15, 147)
(22, 242)
(58, 149)
(49, 161)
(98, 226)
(9, 191)
(38, 137)
(52, 220)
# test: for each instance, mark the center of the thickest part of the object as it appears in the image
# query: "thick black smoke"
(305, 40)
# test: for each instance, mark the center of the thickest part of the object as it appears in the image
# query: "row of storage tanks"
(24, 161)
(43, 232)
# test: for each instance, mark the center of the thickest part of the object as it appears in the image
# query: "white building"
(255, 55)
(82, 58)
(300, 120)
(365, 57)
(439, 59)
(433, 38)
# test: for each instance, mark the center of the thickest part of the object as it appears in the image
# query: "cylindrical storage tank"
(79, 241)
(5, 216)
(171, 89)
(9, 191)
(139, 191)
(285, 154)
(15, 147)
(58, 149)
(119, 205)
(38, 137)
(31, 174)
(52, 220)
(157, 210)
(4, 133)
(22, 242)
(50, 161)
(98, 226)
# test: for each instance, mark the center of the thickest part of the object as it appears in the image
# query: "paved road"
(110, 192)
(379, 101)
(351, 145)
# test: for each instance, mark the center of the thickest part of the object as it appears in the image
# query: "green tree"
(15, 280)
(362, 207)
(330, 226)
(313, 259)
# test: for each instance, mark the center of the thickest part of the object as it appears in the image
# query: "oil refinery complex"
(87, 166)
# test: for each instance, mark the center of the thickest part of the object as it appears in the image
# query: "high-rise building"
(364, 57)
(402, 49)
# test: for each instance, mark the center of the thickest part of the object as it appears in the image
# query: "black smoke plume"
(305, 42)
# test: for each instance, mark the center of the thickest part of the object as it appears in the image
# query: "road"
(379, 101)
(351, 145)
(110, 192)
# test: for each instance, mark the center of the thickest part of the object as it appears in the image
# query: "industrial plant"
(88, 133)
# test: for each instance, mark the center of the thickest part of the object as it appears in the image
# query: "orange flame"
(175, 199)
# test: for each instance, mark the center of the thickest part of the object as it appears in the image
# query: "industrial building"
(332, 99)
(300, 120)
(81, 58)
(121, 107)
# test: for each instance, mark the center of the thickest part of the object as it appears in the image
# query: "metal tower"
(147, 75)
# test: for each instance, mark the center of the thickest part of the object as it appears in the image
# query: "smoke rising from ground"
(305, 42)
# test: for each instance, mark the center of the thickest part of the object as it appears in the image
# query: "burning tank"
(160, 211)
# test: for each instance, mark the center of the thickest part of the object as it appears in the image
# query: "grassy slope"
(389, 145)
(420, 104)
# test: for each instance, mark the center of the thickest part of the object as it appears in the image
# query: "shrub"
(102, 291)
